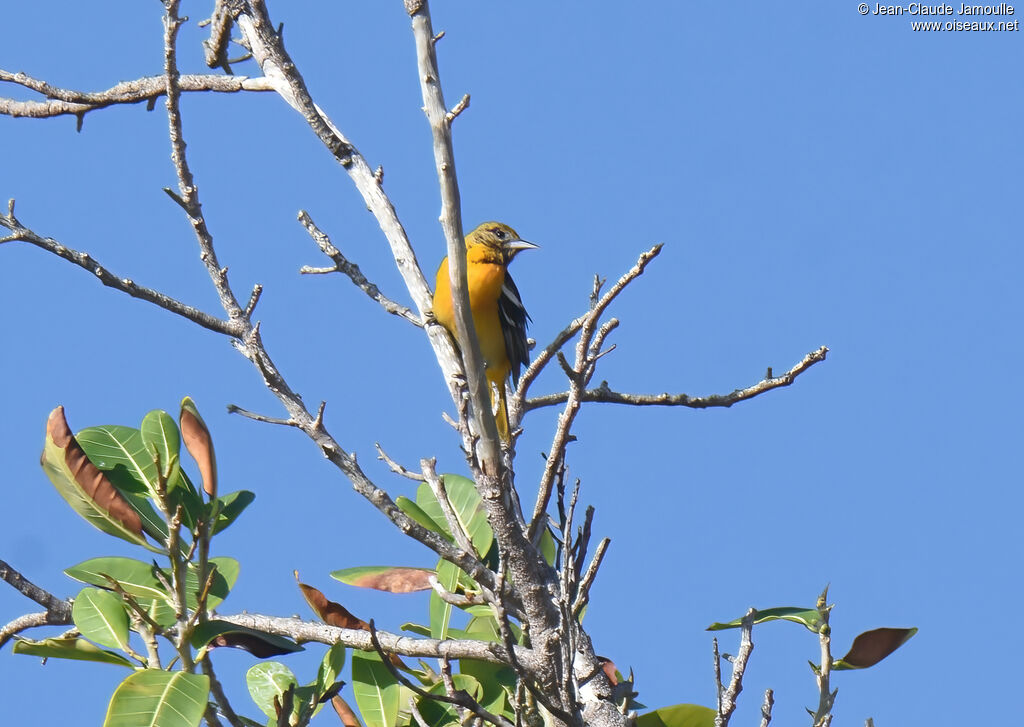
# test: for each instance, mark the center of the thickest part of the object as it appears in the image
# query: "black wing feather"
(513, 325)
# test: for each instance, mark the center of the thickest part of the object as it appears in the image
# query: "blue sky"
(818, 177)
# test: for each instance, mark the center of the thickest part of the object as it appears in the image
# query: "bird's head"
(495, 239)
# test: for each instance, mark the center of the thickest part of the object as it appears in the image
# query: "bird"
(499, 316)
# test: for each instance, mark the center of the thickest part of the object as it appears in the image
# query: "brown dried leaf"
(199, 444)
(396, 579)
(871, 647)
(333, 614)
(345, 713)
(89, 478)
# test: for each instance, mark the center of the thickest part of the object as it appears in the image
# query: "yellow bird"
(498, 313)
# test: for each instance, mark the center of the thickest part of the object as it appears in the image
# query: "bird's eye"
(500, 233)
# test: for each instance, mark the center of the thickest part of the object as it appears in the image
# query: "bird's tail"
(499, 405)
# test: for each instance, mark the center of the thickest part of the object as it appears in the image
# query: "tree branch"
(604, 394)
(305, 631)
(68, 102)
(58, 608)
(579, 376)
(20, 233)
(215, 48)
(482, 423)
(727, 698)
(343, 265)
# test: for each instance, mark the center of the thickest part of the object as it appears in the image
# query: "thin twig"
(429, 469)
(396, 467)
(583, 594)
(604, 394)
(343, 265)
(217, 690)
(456, 599)
(235, 409)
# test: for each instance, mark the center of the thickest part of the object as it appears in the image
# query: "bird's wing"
(513, 326)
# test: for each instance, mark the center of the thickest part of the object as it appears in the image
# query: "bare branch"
(516, 404)
(235, 409)
(483, 425)
(579, 376)
(305, 631)
(343, 265)
(262, 39)
(215, 48)
(461, 106)
(727, 700)
(223, 705)
(126, 285)
(23, 623)
(583, 594)
(396, 467)
(67, 102)
(187, 189)
(58, 608)
(766, 707)
(604, 394)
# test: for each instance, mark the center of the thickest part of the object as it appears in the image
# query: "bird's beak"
(517, 245)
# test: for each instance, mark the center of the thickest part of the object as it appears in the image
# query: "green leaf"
(393, 579)
(439, 714)
(440, 610)
(415, 512)
(101, 617)
(156, 698)
(483, 628)
(192, 505)
(160, 434)
(466, 503)
(267, 680)
(229, 507)
(112, 446)
(223, 581)
(328, 675)
(679, 715)
(376, 690)
(121, 453)
(78, 649)
(548, 547)
(330, 667)
(498, 683)
(89, 493)
(259, 644)
(871, 647)
(137, 578)
(418, 629)
(809, 617)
